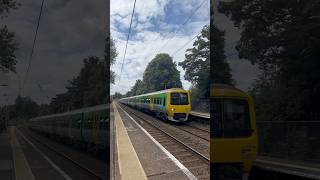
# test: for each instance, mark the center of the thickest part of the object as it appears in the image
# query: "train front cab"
(233, 145)
(179, 105)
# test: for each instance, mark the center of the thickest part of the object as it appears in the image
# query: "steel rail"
(68, 158)
(172, 137)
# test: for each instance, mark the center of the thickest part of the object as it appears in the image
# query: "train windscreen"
(230, 118)
(179, 99)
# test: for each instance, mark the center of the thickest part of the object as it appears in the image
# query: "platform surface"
(21, 160)
(303, 169)
(157, 163)
(200, 114)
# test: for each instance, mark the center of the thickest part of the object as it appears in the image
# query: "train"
(233, 135)
(170, 104)
(85, 128)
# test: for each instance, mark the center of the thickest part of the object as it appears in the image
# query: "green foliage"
(117, 95)
(6, 6)
(8, 45)
(89, 88)
(25, 107)
(161, 73)
(7, 48)
(198, 102)
(221, 72)
(282, 38)
(197, 63)
(110, 55)
(138, 88)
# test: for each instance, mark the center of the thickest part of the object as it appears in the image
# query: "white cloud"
(146, 43)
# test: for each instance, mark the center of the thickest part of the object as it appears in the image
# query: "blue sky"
(156, 28)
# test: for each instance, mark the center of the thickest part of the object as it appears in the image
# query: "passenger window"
(164, 101)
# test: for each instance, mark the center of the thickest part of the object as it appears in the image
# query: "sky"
(243, 72)
(69, 31)
(157, 28)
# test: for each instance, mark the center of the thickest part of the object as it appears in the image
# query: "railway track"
(196, 160)
(93, 174)
(198, 128)
(196, 131)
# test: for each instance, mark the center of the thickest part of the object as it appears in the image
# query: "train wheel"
(164, 117)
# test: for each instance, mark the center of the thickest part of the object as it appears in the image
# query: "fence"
(200, 105)
(294, 140)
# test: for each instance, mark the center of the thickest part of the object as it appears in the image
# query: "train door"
(96, 126)
(151, 103)
(163, 103)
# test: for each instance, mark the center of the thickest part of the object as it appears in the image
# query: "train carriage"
(170, 104)
(233, 145)
(86, 127)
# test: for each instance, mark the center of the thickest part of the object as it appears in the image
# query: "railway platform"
(20, 159)
(289, 167)
(139, 156)
(200, 114)
(24, 157)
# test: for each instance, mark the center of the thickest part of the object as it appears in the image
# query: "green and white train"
(170, 104)
(86, 127)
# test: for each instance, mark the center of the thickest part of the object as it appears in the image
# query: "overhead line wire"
(33, 46)
(125, 51)
(185, 44)
(189, 18)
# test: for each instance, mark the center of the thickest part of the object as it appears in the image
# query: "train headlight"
(172, 109)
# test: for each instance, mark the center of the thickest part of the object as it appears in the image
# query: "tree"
(25, 107)
(8, 45)
(117, 95)
(110, 55)
(138, 88)
(89, 88)
(6, 6)
(161, 73)
(221, 72)
(281, 37)
(197, 62)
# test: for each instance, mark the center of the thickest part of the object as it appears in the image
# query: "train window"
(164, 101)
(236, 117)
(179, 99)
(231, 118)
(216, 114)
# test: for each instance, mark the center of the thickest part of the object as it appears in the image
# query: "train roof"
(226, 90)
(158, 92)
(82, 110)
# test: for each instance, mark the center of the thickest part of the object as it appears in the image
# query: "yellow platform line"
(21, 166)
(129, 164)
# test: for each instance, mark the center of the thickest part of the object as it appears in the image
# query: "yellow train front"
(233, 145)
(170, 104)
